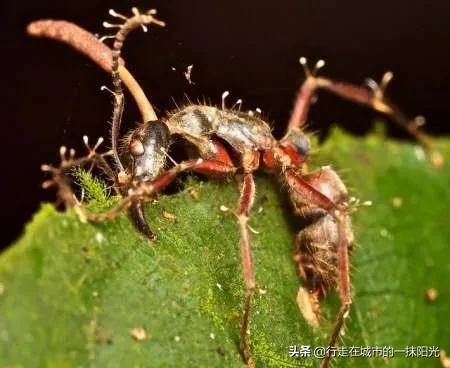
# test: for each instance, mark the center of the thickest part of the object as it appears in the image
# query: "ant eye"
(136, 147)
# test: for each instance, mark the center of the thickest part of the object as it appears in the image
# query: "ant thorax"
(243, 131)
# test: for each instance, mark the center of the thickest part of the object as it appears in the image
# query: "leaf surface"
(72, 292)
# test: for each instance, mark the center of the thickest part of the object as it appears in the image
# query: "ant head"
(297, 140)
(146, 149)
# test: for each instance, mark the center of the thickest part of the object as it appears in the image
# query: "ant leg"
(307, 191)
(215, 168)
(219, 165)
(245, 205)
(145, 191)
(371, 95)
(68, 162)
(124, 204)
(306, 197)
(344, 284)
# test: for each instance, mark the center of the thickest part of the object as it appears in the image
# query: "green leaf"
(71, 292)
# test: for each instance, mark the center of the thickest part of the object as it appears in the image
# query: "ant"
(322, 248)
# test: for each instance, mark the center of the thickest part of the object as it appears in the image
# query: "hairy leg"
(69, 162)
(245, 205)
(315, 206)
(371, 95)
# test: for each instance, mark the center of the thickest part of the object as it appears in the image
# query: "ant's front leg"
(69, 162)
(371, 95)
(146, 191)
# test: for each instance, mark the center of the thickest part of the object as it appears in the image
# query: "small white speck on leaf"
(419, 153)
(169, 216)
(99, 238)
(138, 333)
(431, 294)
(397, 202)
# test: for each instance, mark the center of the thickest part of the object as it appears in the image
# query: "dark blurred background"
(51, 95)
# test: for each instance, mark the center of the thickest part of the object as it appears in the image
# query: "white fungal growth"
(188, 74)
(113, 13)
(320, 64)
(138, 333)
